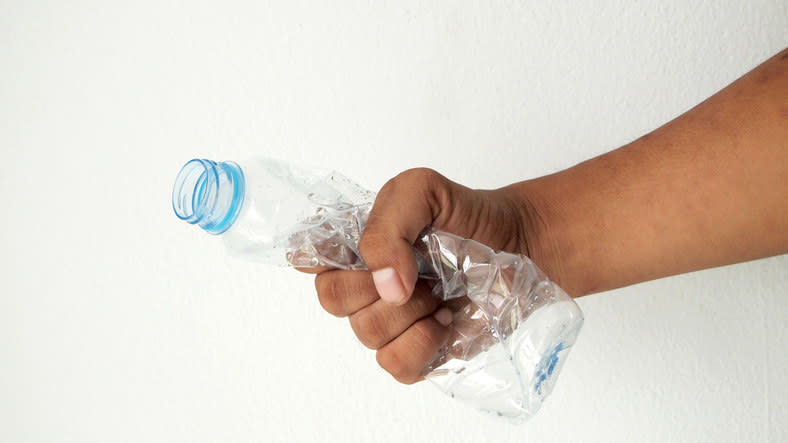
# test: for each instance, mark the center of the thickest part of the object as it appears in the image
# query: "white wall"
(120, 323)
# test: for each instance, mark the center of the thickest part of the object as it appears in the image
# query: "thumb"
(405, 205)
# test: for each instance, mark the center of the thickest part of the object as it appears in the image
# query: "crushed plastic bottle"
(512, 328)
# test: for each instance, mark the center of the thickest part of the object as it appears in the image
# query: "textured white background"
(120, 323)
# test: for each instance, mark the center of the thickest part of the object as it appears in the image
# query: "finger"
(406, 356)
(380, 322)
(342, 293)
(405, 205)
(313, 270)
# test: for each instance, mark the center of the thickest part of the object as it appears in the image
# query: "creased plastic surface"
(512, 326)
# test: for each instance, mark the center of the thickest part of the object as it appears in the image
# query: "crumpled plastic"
(512, 327)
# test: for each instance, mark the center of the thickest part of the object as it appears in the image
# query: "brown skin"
(709, 188)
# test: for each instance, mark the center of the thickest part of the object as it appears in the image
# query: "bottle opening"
(209, 194)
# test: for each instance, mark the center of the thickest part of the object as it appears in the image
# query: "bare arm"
(709, 188)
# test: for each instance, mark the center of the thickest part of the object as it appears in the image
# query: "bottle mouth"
(209, 194)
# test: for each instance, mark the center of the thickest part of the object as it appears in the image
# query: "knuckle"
(416, 177)
(422, 175)
(424, 336)
(396, 365)
(422, 303)
(435, 189)
(372, 239)
(329, 293)
(369, 328)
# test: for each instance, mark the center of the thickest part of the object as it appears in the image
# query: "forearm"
(707, 189)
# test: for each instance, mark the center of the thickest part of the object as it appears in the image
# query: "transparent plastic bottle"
(512, 328)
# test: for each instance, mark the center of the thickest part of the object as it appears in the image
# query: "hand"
(707, 189)
(389, 308)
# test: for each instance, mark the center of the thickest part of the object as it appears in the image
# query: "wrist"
(549, 236)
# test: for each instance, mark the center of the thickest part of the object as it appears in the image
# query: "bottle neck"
(209, 194)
